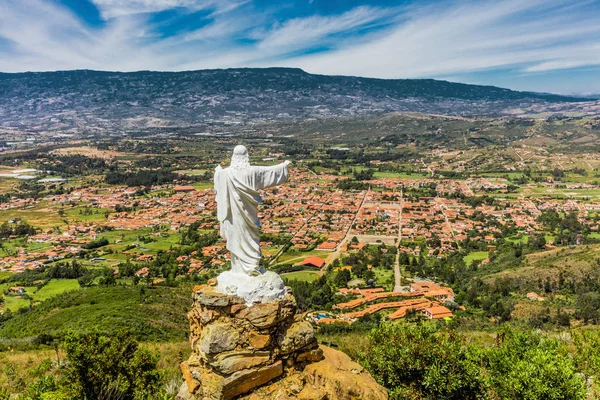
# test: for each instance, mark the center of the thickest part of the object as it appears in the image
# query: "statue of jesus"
(237, 198)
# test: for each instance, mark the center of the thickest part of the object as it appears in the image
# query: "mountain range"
(85, 101)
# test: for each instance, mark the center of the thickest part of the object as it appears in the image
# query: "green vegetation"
(475, 255)
(55, 287)
(303, 276)
(425, 361)
(99, 365)
(150, 313)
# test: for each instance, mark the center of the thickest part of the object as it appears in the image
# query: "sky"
(539, 45)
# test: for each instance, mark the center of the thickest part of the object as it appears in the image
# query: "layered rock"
(237, 348)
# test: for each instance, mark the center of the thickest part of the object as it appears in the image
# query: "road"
(397, 280)
(448, 224)
(276, 257)
(335, 254)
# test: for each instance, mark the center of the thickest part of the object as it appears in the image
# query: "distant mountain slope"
(89, 100)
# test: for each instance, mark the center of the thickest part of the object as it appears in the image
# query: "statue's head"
(240, 158)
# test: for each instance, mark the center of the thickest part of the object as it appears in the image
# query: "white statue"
(237, 197)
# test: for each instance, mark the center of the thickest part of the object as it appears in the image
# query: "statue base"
(265, 351)
(262, 288)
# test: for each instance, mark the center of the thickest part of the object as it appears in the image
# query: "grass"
(5, 274)
(192, 172)
(13, 303)
(203, 185)
(399, 175)
(305, 276)
(41, 216)
(297, 256)
(476, 255)
(576, 261)
(522, 239)
(54, 287)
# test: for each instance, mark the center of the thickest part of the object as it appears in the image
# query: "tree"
(101, 366)
(342, 278)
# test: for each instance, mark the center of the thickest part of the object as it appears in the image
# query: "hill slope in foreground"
(151, 314)
(85, 101)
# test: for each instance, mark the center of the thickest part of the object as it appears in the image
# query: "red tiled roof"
(184, 188)
(438, 312)
(314, 260)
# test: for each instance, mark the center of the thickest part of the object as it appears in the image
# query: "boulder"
(261, 315)
(230, 362)
(258, 341)
(298, 336)
(217, 338)
(191, 383)
(243, 381)
(207, 296)
(336, 377)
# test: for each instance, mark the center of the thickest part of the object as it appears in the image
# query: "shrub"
(531, 366)
(101, 366)
(421, 362)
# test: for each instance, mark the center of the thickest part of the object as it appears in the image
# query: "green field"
(54, 287)
(297, 256)
(523, 239)
(476, 255)
(306, 276)
(192, 172)
(203, 185)
(399, 175)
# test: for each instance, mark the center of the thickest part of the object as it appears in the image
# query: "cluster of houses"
(310, 210)
(423, 297)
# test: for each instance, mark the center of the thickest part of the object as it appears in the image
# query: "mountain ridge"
(541, 95)
(92, 101)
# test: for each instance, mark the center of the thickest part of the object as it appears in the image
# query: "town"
(313, 226)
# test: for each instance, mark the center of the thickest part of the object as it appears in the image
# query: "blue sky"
(541, 45)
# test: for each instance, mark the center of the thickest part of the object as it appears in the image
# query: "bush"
(531, 366)
(101, 366)
(420, 362)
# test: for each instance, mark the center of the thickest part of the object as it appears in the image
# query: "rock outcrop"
(264, 351)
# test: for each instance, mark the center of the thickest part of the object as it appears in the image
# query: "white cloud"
(471, 36)
(443, 39)
(301, 32)
(118, 8)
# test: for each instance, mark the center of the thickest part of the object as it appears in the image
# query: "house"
(17, 290)
(313, 261)
(142, 273)
(437, 312)
(442, 294)
(327, 246)
(534, 296)
(423, 286)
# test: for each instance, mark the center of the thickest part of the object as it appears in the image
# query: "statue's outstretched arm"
(272, 176)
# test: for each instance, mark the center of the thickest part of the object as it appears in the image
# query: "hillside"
(90, 102)
(152, 314)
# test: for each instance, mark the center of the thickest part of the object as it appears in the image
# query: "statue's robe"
(237, 209)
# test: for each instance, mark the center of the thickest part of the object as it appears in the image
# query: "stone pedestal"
(237, 348)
